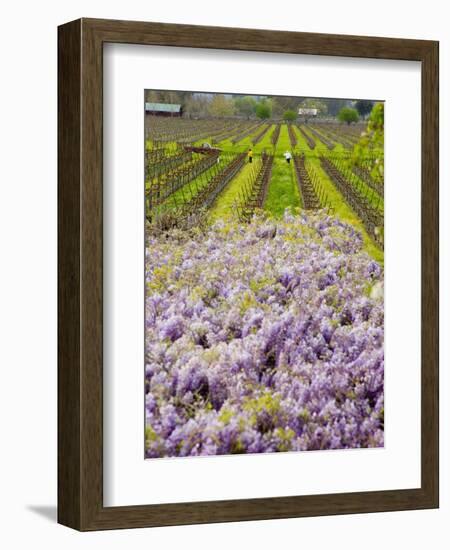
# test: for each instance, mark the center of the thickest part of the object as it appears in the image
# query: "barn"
(307, 113)
(303, 111)
(164, 109)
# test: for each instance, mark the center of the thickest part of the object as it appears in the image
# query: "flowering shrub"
(263, 337)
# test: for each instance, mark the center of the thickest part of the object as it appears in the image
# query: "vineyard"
(264, 286)
(190, 163)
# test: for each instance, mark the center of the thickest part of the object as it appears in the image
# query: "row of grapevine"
(242, 135)
(164, 186)
(309, 140)
(334, 135)
(311, 188)
(275, 135)
(166, 163)
(358, 199)
(292, 136)
(259, 136)
(322, 138)
(308, 195)
(190, 207)
(161, 130)
(253, 194)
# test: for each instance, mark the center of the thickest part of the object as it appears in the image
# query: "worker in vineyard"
(250, 155)
(288, 157)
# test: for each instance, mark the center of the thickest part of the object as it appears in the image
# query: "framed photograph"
(248, 274)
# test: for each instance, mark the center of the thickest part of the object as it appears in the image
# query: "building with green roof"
(163, 109)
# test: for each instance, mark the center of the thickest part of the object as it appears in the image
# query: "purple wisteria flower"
(264, 337)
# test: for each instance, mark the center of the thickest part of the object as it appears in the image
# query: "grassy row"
(283, 189)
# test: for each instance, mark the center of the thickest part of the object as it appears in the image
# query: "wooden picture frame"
(80, 271)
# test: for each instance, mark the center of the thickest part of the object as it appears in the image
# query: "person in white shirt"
(288, 157)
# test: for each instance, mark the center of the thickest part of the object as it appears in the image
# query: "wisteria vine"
(263, 337)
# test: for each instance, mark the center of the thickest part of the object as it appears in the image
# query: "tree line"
(200, 105)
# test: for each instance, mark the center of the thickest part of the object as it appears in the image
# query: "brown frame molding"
(80, 272)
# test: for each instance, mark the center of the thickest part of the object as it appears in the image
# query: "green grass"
(283, 189)
(283, 143)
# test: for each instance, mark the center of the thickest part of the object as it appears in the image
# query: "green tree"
(263, 109)
(364, 107)
(220, 106)
(196, 106)
(313, 103)
(161, 96)
(280, 104)
(370, 147)
(289, 115)
(245, 105)
(335, 105)
(348, 115)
